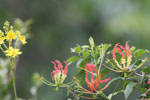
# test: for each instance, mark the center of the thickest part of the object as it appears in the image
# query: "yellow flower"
(21, 38)
(11, 35)
(12, 52)
(1, 39)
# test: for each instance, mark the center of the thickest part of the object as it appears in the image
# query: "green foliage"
(88, 54)
(92, 44)
(73, 59)
(140, 52)
(147, 69)
(129, 89)
(114, 93)
(143, 90)
(104, 73)
(81, 77)
(8, 66)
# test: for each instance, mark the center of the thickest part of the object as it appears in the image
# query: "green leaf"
(81, 77)
(106, 46)
(146, 69)
(112, 63)
(140, 52)
(126, 82)
(115, 79)
(129, 89)
(103, 48)
(143, 90)
(85, 46)
(68, 90)
(78, 49)
(132, 49)
(91, 41)
(82, 62)
(85, 54)
(35, 78)
(114, 93)
(104, 72)
(138, 62)
(73, 59)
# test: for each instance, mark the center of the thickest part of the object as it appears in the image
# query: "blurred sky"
(61, 24)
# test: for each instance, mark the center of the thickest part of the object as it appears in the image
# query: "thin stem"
(13, 77)
(5, 46)
(16, 43)
(46, 81)
(115, 89)
(145, 93)
(94, 96)
(2, 49)
(103, 95)
(98, 71)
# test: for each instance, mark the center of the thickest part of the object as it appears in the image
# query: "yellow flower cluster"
(9, 40)
(12, 52)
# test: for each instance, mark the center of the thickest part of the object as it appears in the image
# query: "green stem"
(97, 76)
(94, 96)
(115, 89)
(103, 95)
(125, 75)
(13, 77)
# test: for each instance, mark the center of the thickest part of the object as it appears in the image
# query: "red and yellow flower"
(93, 83)
(126, 56)
(59, 74)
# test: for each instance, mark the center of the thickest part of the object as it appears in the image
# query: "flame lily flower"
(59, 74)
(93, 84)
(124, 51)
(126, 58)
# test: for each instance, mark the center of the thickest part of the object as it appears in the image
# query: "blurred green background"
(61, 24)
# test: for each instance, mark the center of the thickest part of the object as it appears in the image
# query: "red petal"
(122, 54)
(127, 47)
(123, 49)
(59, 64)
(66, 68)
(114, 51)
(105, 80)
(94, 83)
(54, 65)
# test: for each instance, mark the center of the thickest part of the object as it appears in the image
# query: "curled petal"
(127, 47)
(93, 85)
(54, 65)
(114, 51)
(59, 64)
(106, 86)
(66, 68)
(105, 80)
(121, 53)
(54, 73)
(124, 50)
(58, 70)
